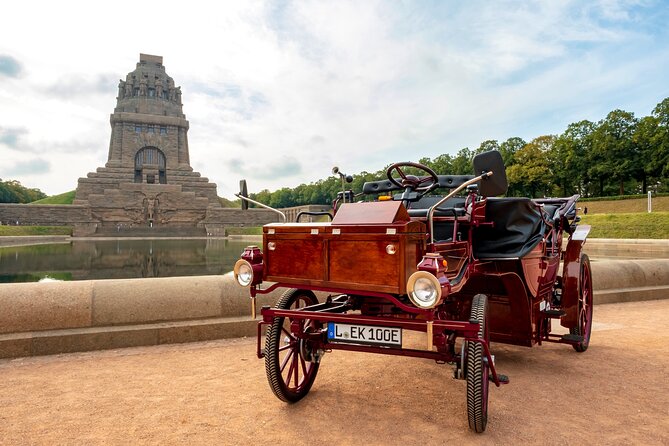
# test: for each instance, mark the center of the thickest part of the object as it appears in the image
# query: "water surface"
(118, 259)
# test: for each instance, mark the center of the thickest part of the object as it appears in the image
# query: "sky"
(279, 92)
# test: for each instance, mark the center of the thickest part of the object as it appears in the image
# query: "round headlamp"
(243, 272)
(424, 290)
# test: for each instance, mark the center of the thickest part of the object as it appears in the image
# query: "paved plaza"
(216, 393)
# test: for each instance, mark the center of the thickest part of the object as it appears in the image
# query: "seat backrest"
(419, 208)
(517, 228)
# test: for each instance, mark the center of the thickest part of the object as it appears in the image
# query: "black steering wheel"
(419, 184)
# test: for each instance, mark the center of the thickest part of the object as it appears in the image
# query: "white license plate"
(365, 334)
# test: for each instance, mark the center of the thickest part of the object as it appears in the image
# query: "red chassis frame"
(467, 330)
(531, 279)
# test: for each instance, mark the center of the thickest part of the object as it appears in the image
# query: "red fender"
(570, 276)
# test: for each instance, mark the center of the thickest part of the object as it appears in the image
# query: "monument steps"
(118, 176)
(93, 182)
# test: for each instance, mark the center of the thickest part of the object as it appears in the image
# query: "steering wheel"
(420, 184)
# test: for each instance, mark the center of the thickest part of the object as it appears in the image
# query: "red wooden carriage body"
(459, 271)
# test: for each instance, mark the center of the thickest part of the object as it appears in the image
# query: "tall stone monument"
(148, 185)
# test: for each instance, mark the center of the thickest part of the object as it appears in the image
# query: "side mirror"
(243, 191)
(496, 184)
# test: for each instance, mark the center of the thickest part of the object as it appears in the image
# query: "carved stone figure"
(159, 87)
(121, 88)
(177, 95)
(150, 208)
(142, 86)
(128, 87)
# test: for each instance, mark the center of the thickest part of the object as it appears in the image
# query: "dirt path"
(216, 393)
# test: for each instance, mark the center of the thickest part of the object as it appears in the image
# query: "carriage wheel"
(289, 373)
(584, 306)
(477, 369)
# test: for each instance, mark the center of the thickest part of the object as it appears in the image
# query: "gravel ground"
(216, 393)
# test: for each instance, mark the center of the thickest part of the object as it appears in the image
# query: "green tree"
(615, 155)
(569, 156)
(443, 164)
(12, 191)
(509, 148)
(488, 145)
(531, 172)
(647, 141)
(462, 163)
(660, 156)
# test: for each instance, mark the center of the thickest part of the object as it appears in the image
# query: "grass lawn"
(15, 231)
(660, 204)
(632, 225)
(64, 198)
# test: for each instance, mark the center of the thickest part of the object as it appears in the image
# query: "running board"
(554, 314)
(571, 339)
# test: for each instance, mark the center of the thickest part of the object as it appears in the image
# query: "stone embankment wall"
(240, 218)
(58, 317)
(44, 215)
(214, 223)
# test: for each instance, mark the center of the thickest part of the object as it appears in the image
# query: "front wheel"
(477, 368)
(584, 326)
(291, 371)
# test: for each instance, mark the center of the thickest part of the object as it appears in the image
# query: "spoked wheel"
(477, 368)
(584, 306)
(289, 363)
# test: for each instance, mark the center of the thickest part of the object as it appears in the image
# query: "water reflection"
(118, 259)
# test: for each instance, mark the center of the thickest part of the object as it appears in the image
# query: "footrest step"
(553, 313)
(503, 379)
(572, 338)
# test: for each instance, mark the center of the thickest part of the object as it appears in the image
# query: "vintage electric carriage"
(457, 270)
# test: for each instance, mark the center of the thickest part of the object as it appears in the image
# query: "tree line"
(13, 191)
(618, 155)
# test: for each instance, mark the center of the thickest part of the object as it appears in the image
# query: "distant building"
(148, 181)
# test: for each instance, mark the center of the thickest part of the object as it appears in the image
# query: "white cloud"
(274, 86)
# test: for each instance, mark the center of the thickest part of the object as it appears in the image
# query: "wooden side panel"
(345, 257)
(364, 262)
(297, 258)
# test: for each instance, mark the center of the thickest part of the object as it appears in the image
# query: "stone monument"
(147, 185)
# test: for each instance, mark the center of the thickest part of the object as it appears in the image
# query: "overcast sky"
(278, 92)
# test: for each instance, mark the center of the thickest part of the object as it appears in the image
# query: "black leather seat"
(421, 207)
(443, 230)
(517, 228)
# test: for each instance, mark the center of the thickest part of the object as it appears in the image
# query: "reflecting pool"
(119, 259)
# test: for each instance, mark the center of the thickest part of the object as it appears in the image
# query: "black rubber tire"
(288, 386)
(477, 369)
(584, 327)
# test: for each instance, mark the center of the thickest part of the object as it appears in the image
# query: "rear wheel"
(291, 369)
(477, 368)
(584, 326)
